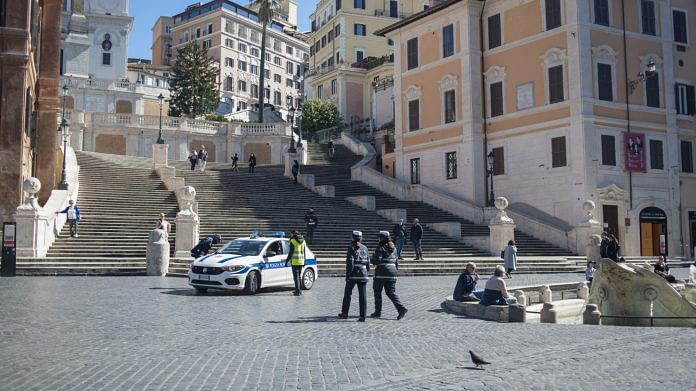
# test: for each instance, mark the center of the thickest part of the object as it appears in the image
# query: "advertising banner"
(634, 152)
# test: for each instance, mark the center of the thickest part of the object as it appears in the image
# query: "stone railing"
(98, 84)
(272, 129)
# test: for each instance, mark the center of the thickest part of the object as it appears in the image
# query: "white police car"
(250, 264)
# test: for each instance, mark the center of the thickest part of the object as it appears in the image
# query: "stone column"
(588, 227)
(157, 253)
(31, 223)
(160, 155)
(187, 224)
(289, 160)
(502, 228)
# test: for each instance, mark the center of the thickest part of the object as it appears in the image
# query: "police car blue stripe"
(229, 259)
(206, 257)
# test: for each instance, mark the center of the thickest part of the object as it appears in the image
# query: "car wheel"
(201, 291)
(251, 285)
(308, 279)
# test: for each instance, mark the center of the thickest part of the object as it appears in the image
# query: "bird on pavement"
(478, 361)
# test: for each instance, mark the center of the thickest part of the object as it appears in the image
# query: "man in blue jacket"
(204, 245)
(73, 213)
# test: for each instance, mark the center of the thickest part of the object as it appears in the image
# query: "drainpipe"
(628, 108)
(483, 106)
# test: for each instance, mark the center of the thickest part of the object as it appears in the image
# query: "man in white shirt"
(163, 224)
(73, 213)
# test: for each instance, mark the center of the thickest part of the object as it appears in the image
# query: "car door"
(274, 263)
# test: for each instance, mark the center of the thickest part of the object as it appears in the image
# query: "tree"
(193, 83)
(266, 10)
(319, 114)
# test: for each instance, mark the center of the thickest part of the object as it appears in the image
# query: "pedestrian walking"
(163, 224)
(613, 248)
(312, 221)
(296, 259)
(252, 163)
(74, 218)
(399, 233)
(386, 264)
(416, 235)
(357, 266)
(510, 258)
(332, 148)
(193, 159)
(295, 170)
(235, 163)
(202, 157)
(604, 244)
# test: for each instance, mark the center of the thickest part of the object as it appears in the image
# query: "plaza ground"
(148, 333)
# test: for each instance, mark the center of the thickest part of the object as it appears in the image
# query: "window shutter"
(608, 150)
(656, 160)
(604, 82)
(413, 115)
(652, 90)
(556, 84)
(494, 33)
(558, 152)
(690, 100)
(496, 99)
(499, 161)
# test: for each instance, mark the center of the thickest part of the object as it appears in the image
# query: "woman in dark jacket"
(357, 266)
(385, 275)
(613, 248)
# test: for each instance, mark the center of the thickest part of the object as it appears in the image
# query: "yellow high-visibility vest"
(298, 253)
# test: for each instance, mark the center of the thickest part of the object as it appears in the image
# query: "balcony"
(392, 14)
(368, 63)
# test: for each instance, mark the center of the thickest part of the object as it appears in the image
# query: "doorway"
(610, 215)
(692, 230)
(653, 232)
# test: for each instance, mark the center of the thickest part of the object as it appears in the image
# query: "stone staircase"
(119, 199)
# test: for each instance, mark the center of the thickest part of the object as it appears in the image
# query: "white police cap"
(357, 234)
(384, 233)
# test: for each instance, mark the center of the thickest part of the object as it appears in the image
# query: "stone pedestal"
(393, 214)
(325, 190)
(545, 295)
(157, 254)
(289, 160)
(502, 228)
(187, 224)
(307, 180)
(521, 298)
(365, 202)
(160, 155)
(32, 224)
(583, 291)
(591, 315)
(585, 242)
(302, 154)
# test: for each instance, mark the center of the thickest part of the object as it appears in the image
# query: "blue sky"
(146, 12)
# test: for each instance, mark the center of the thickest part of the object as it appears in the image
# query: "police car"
(249, 264)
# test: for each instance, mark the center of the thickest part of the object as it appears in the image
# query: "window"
(317, 47)
(413, 115)
(337, 30)
(229, 83)
(229, 43)
(338, 5)
(656, 159)
(359, 54)
(288, 101)
(254, 69)
(320, 92)
(334, 87)
(647, 15)
(498, 161)
(198, 33)
(277, 60)
(687, 157)
(241, 105)
(242, 65)
(608, 150)
(242, 47)
(679, 24)
(451, 164)
(255, 52)
(415, 171)
(277, 78)
(558, 152)
(605, 82)
(684, 94)
(390, 42)
(288, 49)
(241, 85)
(556, 84)
(359, 29)
(553, 14)
(323, 40)
(494, 31)
(210, 28)
(268, 57)
(412, 53)
(359, 4)
(267, 73)
(447, 40)
(289, 68)
(254, 91)
(601, 12)
(496, 94)
(330, 36)
(106, 58)
(289, 83)
(207, 44)
(450, 107)
(277, 100)
(652, 90)
(267, 93)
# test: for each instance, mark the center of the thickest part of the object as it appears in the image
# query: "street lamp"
(291, 114)
(65, 133)
(160, 140)
(299, 125)
(643, 76)
(491, 162)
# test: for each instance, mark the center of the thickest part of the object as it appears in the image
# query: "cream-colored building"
(232, 34)
(552, 92)
(344, 49)
(162, 41)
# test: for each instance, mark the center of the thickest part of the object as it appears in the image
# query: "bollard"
(591, 315)
(517, 313)
(583, 291)
(545, 294)
(157, 254)
(548, 313)
(521, 298)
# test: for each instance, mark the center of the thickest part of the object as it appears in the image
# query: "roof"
(415, 17)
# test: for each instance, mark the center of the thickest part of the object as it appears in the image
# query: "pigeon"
(478, 361)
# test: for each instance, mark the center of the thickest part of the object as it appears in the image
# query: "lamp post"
(291, 114)
(299, 122)
(65, 133)
(491, 162)
(160, 140)
(643, 76)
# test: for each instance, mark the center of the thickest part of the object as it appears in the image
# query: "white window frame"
(442, 40)
(414, 92)
(320, 91)
(448, 83)
(687, 25)
(659, 68)
(207, 43)
(611, 13)
(552, 58)
(334, 87)
(543, 15)
(658, 26)
(604, 54)
(495, 74)
(684, 84)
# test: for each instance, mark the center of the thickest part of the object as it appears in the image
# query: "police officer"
(357, 266)
(385, 275)
(296, 258)
(204, 245)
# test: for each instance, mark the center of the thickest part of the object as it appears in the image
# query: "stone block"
(583, 291)
(393, 214)
(289, 160)
(591, 315)
(450, 229)
(307, 180)
(545, 295)
(365, 202)
(554, 311)
(325, 190)
(157, 253)
(498, 313)
(521, 297)
(160, 155)
(548, 313)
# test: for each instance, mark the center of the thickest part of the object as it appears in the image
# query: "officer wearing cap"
(357, 266)
(385, 275)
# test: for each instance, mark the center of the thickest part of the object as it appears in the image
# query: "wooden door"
(646, 239)
(610, 215)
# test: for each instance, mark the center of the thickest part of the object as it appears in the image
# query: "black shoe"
(402, 314)
(401, 258)
(361, 319)
(375, 315)
(297, 293)
(343, 316)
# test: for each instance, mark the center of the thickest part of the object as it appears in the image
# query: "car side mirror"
(271, 254)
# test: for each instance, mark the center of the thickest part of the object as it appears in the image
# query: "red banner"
(634, 152)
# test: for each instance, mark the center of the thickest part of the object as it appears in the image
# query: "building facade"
(29, 57)
(343, 48)
(162, 41)
(572, 100)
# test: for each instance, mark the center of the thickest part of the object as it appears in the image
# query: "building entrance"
(692, 230)
(653, 232)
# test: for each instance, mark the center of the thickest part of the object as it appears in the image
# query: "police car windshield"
(242, 247)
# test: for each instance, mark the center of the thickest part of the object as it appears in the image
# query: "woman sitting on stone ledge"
(496, 292)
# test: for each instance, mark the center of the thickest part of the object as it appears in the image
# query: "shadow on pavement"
(311, 319)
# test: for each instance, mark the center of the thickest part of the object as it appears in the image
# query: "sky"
(146, 12)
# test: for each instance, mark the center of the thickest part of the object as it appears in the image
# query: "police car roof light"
(268, 234)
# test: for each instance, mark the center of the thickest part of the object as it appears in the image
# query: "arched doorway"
(653, 232)
(124, 107)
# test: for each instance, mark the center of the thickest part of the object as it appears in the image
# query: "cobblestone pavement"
(143, 333)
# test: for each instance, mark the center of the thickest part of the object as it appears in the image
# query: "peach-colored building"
(162, 41)
(551, 90)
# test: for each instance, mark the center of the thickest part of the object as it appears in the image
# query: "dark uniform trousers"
(362, 296)
(389, 287)
(297, 276)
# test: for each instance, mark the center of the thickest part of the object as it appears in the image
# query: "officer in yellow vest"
(296, 258)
